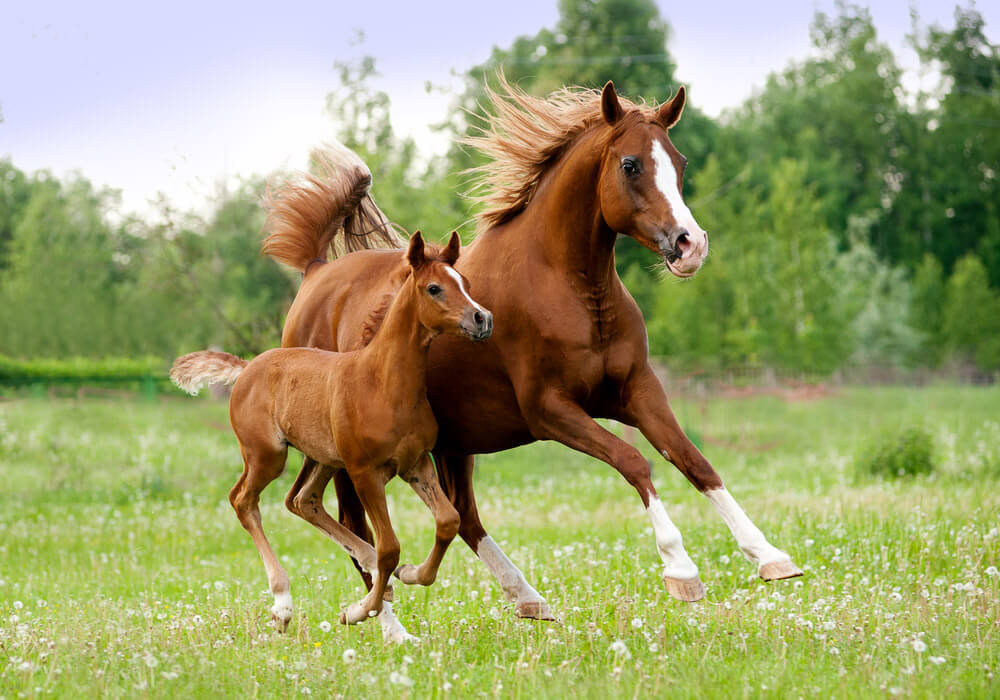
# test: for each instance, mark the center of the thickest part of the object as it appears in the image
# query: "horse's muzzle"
(683, 251)
(477, 323)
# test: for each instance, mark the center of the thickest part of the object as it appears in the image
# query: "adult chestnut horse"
(568, 175)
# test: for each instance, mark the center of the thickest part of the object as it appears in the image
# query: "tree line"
(852, 220)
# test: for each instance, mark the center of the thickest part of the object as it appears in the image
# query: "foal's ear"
(670, 112)
(415, 253)
(611, 108)
(450, 252)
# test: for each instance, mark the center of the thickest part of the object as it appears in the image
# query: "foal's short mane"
(523, 137)
(369, 328)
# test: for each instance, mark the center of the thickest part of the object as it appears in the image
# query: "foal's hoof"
(777, 570)
(280, 623)
(688, 590)
(534, 610)
(408, 574)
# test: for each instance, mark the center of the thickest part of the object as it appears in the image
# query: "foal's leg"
(455, 474)
(646, 406)
(424, 481)
(558, 418)
(305, 499)
(370, 483)
(261, 466)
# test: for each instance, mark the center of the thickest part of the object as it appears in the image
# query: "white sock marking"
(392, 628)
(515, 587)
(676, 562)
(748, 536)
(282, 605)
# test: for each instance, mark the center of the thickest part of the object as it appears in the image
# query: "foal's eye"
(631, 166)
(433, 290)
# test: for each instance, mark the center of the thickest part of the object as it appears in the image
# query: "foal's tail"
(305, 215)
(193, 371)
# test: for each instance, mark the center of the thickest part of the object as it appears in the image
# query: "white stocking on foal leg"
(528, 603)
(680, 575)
(772, 563)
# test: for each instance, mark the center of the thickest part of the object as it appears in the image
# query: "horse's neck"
(398, 353)
(564, 221)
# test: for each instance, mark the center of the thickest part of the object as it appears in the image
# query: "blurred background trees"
(852, 221)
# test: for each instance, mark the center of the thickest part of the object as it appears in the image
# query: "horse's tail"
(305, 215)
(193, 371)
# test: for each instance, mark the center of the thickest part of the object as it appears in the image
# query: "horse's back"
(336, 299)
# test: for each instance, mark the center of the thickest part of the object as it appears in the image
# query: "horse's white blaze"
(665, 178)
(515, 587)
(676, 562)
(461, 287)
(748, 536)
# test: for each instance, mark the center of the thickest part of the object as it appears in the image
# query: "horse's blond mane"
(523, 136)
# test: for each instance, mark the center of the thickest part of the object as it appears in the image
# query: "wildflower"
(919, 646)
(991, 571)
(169, 675)
(446, 686)
(619, 649)
(325, 626)
(397, 678)
(305, 691)
(637, 623)
(895, 597)
(349, 656)
(835, 651)
(18, 605)
(151, 661)
(936, 660)
(407, 660)
(197, 619)
(724, 559)
(25, 666)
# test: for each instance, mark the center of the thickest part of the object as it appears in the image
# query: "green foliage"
(972, 315)
(14, 371)
(907, 453)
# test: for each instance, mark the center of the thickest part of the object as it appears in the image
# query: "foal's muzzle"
(683, 250)
(477, 323)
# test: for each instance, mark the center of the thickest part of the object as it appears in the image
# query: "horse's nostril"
(479, 318)
(683, 242)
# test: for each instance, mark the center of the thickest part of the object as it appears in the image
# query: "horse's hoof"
(688, 590)
(407, 573)
(777, 570)
(534, 610)
(280, 623)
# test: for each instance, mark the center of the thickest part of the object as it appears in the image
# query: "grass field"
(124, 572)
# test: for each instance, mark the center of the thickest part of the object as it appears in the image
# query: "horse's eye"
(433, 290)
(630, 165)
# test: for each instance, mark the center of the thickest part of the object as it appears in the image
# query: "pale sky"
(176, 97)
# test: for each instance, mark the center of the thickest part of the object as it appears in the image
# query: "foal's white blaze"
(515, 588)
(750, 539)
(676, 562)
(666, 182)
(461, 287)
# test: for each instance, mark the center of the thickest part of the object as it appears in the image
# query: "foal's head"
(640, 183)
(443, 301)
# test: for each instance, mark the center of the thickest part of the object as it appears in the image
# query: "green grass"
(123, 571)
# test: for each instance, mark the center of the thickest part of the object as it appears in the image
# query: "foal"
(364, 411)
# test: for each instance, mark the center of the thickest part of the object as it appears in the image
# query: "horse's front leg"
(559, 418)
(646, 407)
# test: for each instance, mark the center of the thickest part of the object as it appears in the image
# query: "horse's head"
(640, 183)
(443, 301)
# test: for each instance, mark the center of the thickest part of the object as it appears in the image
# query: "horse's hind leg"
(455, 474)
(261, 466)
(305, 499)
(424, 481)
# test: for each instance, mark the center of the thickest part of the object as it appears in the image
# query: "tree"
(972, 315)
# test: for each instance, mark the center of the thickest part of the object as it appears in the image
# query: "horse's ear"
(611, 108)
(670, 112)
(450, 252)
(415, 253)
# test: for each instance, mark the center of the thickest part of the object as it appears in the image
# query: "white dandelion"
(919, 646)
(325, 626)
(619, 649)
(350, 656)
